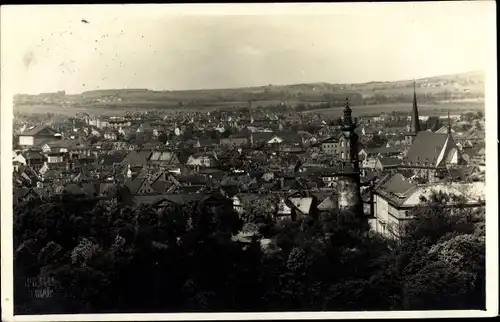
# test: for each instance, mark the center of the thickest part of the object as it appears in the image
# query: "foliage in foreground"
(105, 257)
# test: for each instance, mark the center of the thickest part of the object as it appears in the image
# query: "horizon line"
(253, 86)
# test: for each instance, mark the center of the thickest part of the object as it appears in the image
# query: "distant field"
(424, 110)
(113, 110)
(70, 111)
(120, 108)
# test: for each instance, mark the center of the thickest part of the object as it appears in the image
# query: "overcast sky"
(49, 48)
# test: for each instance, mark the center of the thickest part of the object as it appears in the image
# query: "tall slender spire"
(449, 123)
(415, 123)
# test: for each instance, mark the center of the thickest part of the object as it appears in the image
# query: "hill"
(430, 90)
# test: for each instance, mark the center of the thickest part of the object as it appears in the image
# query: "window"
(342, 144)
(343, 155)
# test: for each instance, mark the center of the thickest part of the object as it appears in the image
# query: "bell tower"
(349, 182)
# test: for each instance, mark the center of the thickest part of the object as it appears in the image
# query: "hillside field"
(423, 109)
(361, 110)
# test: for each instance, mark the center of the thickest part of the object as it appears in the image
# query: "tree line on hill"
(105, 257)
(334, 95)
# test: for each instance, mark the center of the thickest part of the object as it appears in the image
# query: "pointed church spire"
(415, 123)
(449, 123)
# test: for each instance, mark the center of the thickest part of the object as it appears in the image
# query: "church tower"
(349, 181)
(415, 122)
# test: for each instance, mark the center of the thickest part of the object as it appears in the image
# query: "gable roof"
(114, 157)
(162, 187)
(332, 139)
(164, 157)
(397, 184)
(193, 179)
(39, 130)
(426, 147)
(137, 157)
(289, 136)
(474, 193)
(302, 204)
(328, 204)
(262, 136)
(384, 150)
(135, 184)
(207, 141)
(388, 161)
(59, 143)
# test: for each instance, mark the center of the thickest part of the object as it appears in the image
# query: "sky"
(161, 47)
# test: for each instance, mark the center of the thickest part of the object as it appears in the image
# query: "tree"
(163, 138)
(377, 141)
(105, 256)
(227, 132)
(94, 139)
(433, 123)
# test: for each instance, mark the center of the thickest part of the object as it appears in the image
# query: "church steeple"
(415, 123)
(449, 123)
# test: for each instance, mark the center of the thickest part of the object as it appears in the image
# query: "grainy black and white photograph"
(248, 158)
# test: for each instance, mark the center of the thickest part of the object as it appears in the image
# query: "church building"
(430, 154)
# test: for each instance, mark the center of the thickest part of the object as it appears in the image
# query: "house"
(137, 158)
(396, 197)
(387, 163)
(188, 180)
(328, 204)
(139, 187)
(201, 160)
(119, 123)
(62, 146)
(302, 205)
(234, 140)
(163, 187)
(113, 158)
(398, 130)
(295, 207)
(159, 202)
(35, 135)
(282, 137)
(374, 153)
(261, 138)
(111, 135)
(474, 155)
(330, 146)
(284, 210)
(164, 159)
(206, 143)
(85, 189)
(78, 149)
(55, 157)
(18, 158)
